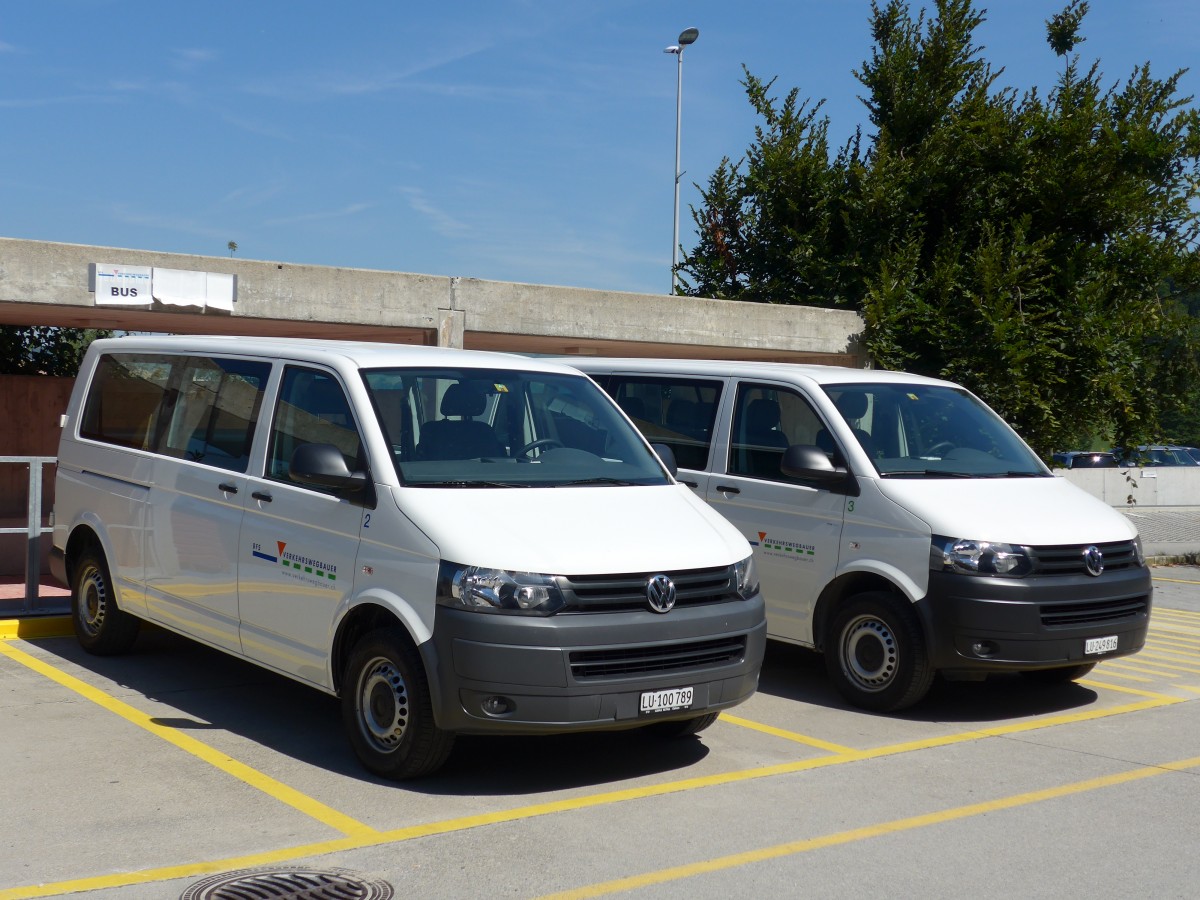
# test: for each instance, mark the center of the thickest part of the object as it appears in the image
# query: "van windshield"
(932, 431)
(500, 428)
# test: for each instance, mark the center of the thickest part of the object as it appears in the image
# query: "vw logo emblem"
(660, 591)
(1093, 559)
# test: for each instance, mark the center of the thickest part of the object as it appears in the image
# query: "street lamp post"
(687, 37)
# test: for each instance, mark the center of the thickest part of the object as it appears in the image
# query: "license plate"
(1100, 645)
(665, 701)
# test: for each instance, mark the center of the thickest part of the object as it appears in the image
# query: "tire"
(680, 728)
(875, 653)
(1060, 675)
(387, 711)
(100, 626)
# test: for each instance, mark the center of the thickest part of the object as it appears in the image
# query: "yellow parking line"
(1174, 580)
(1126, 690)
(786, 735)
(1108, 671)
(281, 792)
(870, 831)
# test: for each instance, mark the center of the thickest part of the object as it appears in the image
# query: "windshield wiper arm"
(469, 484)
(582, 482)
(926, 473)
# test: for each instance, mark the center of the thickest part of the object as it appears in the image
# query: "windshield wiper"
(926, 473)
(582, 482)
(469, 484)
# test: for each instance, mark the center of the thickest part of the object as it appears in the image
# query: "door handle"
(692, 484)
(727, 489)
(228, 487)
(264, 496)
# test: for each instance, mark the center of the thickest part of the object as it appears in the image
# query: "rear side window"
(196, 408)
(678, 412)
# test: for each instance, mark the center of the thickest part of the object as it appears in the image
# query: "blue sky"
(515, 140)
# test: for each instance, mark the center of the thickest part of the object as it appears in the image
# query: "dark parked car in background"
(1156, 455)
(1085, 459)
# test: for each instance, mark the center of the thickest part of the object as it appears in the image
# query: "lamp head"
(688, 36)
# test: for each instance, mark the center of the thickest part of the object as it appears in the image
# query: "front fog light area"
(481, 589)
(973, 557)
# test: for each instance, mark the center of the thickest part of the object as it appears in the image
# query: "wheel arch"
(848, 585)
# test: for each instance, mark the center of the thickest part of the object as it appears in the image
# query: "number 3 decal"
(849, 506)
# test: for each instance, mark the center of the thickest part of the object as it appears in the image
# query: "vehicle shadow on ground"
(205, 690)
(795, 673)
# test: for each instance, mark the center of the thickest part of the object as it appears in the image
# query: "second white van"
(899, 525)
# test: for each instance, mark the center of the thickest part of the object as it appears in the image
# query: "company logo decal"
(1093, 560)
(294, 563)
(660, 592)
(772, 546)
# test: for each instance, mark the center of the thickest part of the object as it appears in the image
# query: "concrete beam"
(47, 283)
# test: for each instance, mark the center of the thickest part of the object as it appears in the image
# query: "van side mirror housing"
(808, 463)
(322, 465)
(667, 455)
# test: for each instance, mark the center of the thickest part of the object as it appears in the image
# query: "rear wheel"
(1060, 675)
(875, 653)
(100, 626)
(387, 711)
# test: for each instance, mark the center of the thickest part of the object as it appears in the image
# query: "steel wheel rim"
(383, 704)
(93, 600)
(870, 654)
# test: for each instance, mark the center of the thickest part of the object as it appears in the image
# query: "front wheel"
(1061, 675)
(387, 711)
(102, 629)
(875, 653)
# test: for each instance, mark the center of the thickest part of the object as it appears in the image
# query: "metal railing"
(34, 529)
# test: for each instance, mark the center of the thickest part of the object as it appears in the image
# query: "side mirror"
(811, 464)
(667, 455)
(322, 465)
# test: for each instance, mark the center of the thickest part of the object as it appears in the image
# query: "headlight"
(498, 590)
(971, 557)
(747, 578)
(1138, 552)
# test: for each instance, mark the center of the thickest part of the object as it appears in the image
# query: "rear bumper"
(996, 624)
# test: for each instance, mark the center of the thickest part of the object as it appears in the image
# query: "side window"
(211, 410)
(312, 409)
(766, 420)
(678, 412)
(125, 399)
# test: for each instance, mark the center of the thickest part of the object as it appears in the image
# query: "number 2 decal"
(366, 520)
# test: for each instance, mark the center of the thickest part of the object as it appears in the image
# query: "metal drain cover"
(289, 884)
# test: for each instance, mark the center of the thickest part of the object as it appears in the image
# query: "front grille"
(644, 659)
(1067, 559)
(1065, 615)
(618, 593)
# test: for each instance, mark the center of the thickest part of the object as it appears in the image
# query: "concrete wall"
(1156, 486)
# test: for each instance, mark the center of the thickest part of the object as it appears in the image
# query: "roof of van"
(364, 354)
(726, 367)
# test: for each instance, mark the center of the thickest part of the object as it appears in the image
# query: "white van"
(453, 542)
(900, 525)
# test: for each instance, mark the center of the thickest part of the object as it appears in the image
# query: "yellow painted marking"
(281, 792)
(1146, 665)
(786, 735)
(1126, 690)
(1181, 661)
(35, 627)
(1178, 643)
(870, 831)
(1108, 671)
(1174, 580)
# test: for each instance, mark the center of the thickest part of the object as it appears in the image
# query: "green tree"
(43, 349)
(1033, 249)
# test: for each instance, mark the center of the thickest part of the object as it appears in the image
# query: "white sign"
(122, 285)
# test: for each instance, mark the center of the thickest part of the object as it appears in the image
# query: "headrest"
(462, 400)
(762, 415)
(852, 406)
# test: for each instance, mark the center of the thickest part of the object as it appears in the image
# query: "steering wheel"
(539, 444)
(941, 448)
